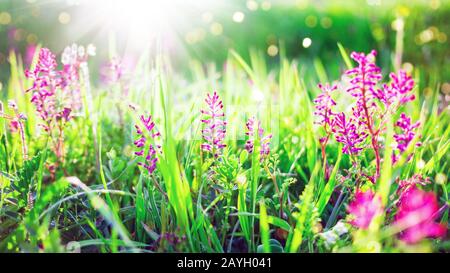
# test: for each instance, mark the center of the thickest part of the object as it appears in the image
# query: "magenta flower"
(324, 104)
(408, 185)
(112, 72)
(146, 150)
(363, 126)
(29, 54)
(215, 127)
(364, 207)
(402, 84)
(364, 79)
(365, 76)
(44, 71)
(257, 131)
(416, 215)
(407, 134)
(346, 132)
(46, 81)
(54, 91)
(14, 126)
(397, 91)
(48, 94)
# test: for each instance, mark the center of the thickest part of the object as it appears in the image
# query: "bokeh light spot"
(272, 50)
(435, 4)
(306, 42)
(64, 18)
(216, 29)
(402, 11)
(311, 21)
(195, 36)
(302, 4)
(446, 88)
(207, 17)
(266, 5)
(398, 24)
(252, 5)
(442, 37)
(326, 22)
(238, 17)
(408, 67)
(5, 18)
(32, 39)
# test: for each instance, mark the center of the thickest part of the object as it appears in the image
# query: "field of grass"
(241, 157)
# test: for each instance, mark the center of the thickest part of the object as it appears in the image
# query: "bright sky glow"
(138, 22)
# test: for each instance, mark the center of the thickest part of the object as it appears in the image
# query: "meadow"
(338, 153)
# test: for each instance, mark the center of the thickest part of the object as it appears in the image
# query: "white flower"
(91, 50)
(81, 51)
(69, 55)
(330, 238)
(340, 228)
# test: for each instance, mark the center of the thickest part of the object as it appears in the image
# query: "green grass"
(192, 204)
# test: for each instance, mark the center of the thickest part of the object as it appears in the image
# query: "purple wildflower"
(365, 76)
(50, 90)
(112, 72)
(215, 126)
(368, 114)
(146, 150)
(402, 84)
(46, 81)
(405, 187)
(346, 132)
(323, 104)
(29, 54)
(257, 131)
(398, 90)
(407, 134)
(364, 79)
(364, 207)
(16, 124)
(416, 216)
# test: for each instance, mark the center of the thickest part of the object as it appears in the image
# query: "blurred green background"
(206, 30)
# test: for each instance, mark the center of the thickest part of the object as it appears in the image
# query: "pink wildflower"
(50, 90)
(346, 132)
(215, 126)
(257, 131)
(146, 150)
(112, 72)
(407, 134)
(16, 124)
(364, 79)
(402, 84)
(416, 215)
(29, 54)
(406, 186)
(365, 76)
(364, 207)
(323, 104)
(46, 81)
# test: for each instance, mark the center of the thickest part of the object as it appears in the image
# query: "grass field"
(296, 155)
